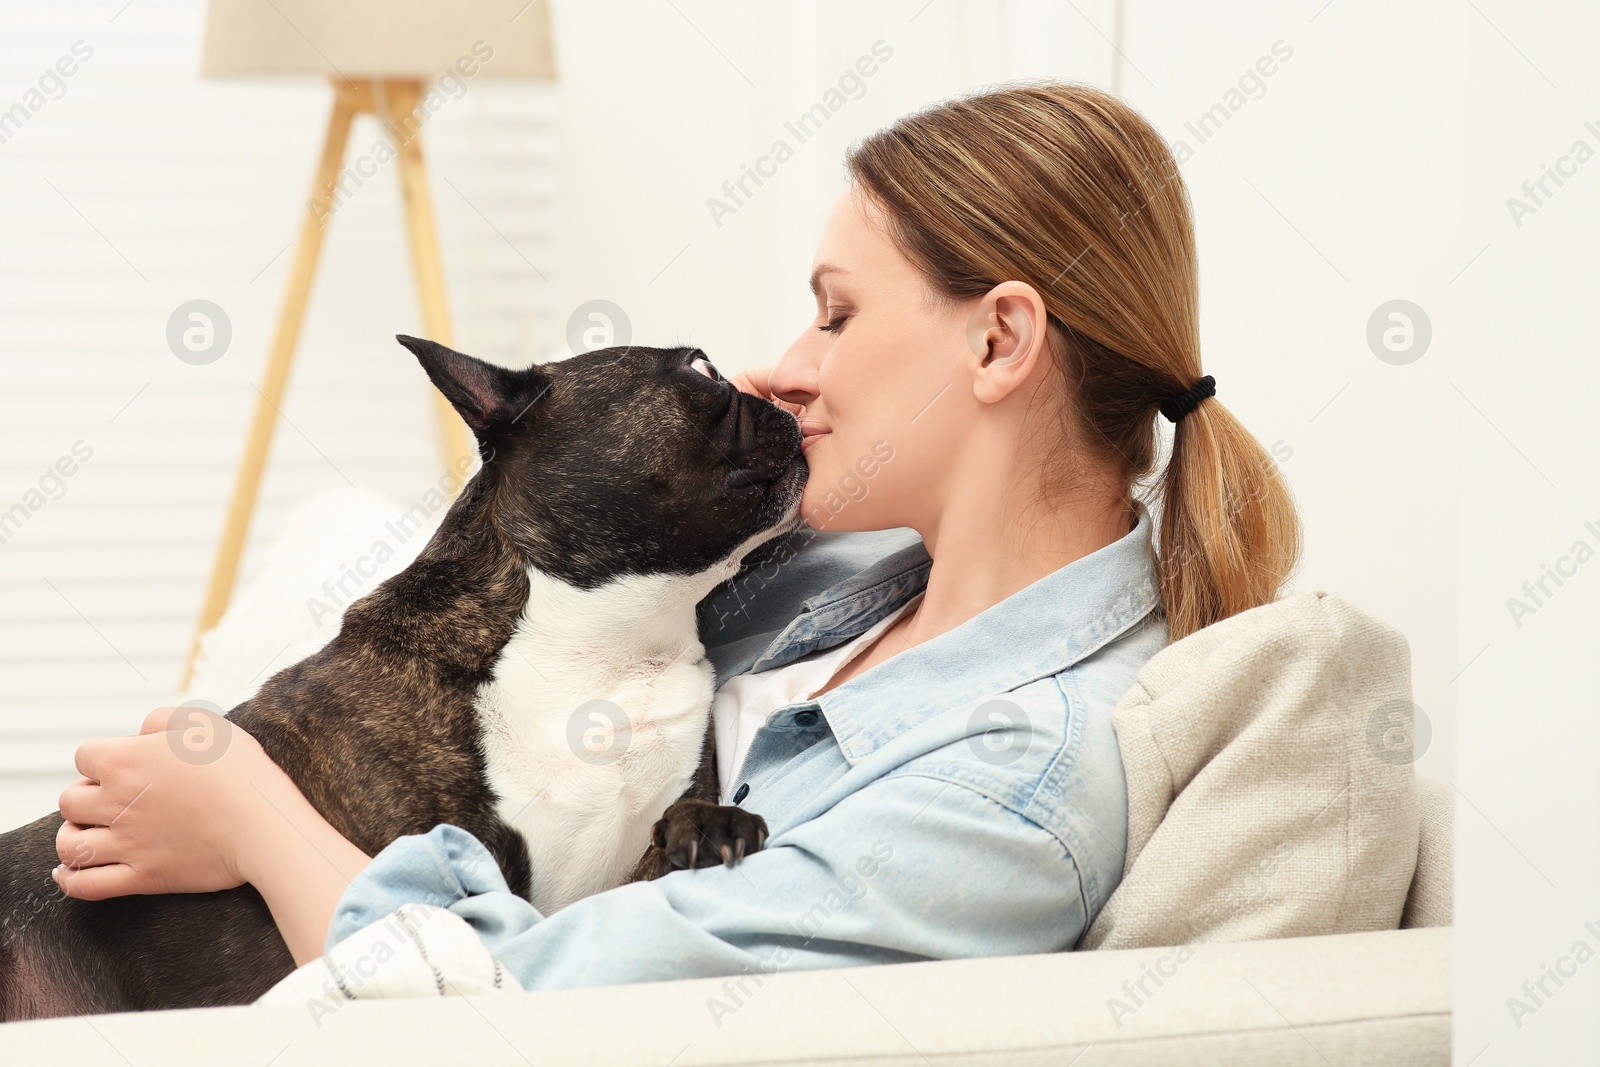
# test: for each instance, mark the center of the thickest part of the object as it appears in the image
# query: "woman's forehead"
(855, 240)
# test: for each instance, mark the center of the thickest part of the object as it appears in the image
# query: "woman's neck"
(985, 550)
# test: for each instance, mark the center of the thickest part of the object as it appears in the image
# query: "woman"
(1006, 298)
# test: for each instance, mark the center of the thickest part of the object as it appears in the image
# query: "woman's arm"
(907, 868)
(298, 862)
(194, 805)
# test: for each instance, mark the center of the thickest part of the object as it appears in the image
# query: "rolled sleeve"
(446, 867)
(910, 867)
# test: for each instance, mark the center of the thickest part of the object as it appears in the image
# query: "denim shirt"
(964, 797)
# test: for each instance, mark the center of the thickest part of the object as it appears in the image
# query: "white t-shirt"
(746, 701)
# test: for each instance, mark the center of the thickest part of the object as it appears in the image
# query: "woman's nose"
(794, 376)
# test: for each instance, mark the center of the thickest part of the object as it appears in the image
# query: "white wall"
(660, 109)
(1529, 825)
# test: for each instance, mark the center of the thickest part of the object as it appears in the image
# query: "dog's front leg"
(696, 831)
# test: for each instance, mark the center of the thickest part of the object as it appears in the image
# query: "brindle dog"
(601, 472)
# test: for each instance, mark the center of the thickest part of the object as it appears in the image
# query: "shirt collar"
(1034, 633)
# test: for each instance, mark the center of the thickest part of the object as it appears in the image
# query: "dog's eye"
(704, 367)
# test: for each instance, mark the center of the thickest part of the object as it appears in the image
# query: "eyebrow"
(824, 268)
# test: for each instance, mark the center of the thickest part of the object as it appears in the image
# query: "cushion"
(329, 551)
(1432, 887)
(1271, 791)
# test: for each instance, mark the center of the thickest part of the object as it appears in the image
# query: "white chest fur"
(595, 720)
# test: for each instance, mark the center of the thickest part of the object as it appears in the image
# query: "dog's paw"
(698, 833)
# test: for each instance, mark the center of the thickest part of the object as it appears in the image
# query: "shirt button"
(742, 792)
(806, 718)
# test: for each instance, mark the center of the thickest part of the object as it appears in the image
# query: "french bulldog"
(536, 677)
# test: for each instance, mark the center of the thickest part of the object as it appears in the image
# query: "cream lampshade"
(378, 56)
(377, 38)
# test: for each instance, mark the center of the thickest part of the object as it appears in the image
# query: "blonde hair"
(1068, 189)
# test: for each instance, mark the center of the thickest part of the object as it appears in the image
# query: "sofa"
(1286, 899)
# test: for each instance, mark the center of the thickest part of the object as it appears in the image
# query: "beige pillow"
(1271, 791)
(1430, 902)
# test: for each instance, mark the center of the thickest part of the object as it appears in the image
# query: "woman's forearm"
(299, 864)
(153, 814)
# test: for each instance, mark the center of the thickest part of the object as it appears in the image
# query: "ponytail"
(1229, 534)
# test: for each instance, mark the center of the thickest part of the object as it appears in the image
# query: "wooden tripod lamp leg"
(348, 100)
(400, 100)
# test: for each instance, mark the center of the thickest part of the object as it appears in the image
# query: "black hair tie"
(1175, 408)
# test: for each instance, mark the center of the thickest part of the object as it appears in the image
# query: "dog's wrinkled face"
(625, 460)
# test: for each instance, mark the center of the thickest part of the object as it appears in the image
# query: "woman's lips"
(811, 437)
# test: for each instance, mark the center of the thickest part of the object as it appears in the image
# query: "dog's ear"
(488, 397)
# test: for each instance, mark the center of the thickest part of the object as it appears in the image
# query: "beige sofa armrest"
(1380, 997)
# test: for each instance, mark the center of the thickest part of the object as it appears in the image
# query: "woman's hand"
(164, 811)
(193, 804)
(757, 381)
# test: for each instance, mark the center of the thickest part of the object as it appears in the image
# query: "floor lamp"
(381, 56)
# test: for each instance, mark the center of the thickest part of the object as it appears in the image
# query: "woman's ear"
(1007, 337)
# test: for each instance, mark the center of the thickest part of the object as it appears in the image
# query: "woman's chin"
(826, 506)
